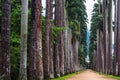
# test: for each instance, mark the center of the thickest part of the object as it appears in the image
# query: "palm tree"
(24, 26)
(33, 43)
(57, 47)
(62, 53)
(51, 42)
(117, 38)
(39, 64)
(59, 22)
(36, 63)
(48, 49)
(109, 37)
(104, 32)
(5, 39)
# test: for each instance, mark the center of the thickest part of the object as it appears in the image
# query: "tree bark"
(109, 37)
(24, 28)
(104, 32)
(56, 57)
(48, 50)
(33, 42)
(117, 38)
(102, 50)
(5, 39)
(115, 42)
(118, 48)
(59, 22)
(66, 41)
(51, 41)
(62, 37)
(39, 64)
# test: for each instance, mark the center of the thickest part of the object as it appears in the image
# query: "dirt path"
(89, 75)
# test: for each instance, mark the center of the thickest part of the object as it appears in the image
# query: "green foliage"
(15, 55)
(82, 55)
(15, 37)
(16, 16)
(56, 30)
(75, 27)
(97, 23)
(77, 17)
(76, 10)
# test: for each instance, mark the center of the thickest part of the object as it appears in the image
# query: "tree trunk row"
(54, 61)
(105, 61)
(117, 38)
(104, 40)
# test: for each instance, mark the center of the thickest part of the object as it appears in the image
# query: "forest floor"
(90, 75)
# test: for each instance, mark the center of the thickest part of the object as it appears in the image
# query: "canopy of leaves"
(97, 23)
(77, 17)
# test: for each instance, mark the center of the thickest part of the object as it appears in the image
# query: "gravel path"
(89, 75)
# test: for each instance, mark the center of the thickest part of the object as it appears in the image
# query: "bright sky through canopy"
(89, 8)
(44, 5)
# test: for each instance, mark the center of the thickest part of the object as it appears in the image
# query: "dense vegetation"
(77, 18)
(104, 57)
(97, 23)
(76, 28)
(36, 47)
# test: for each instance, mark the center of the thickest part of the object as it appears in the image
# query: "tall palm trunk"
(39, 64)
(51, 42)
(104, 32)
(118, 47)
(36, 63)
(66, 42)
(115, 42)
(109, 37)
(24, 26)
(5, 39)
(33, 43)
(59, 21)
(101, 50)
(48, 52)
(62, 37)
(117, 38)
(57, 47)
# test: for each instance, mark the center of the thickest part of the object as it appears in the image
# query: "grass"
(111, 76)
(67, 76)
(115, 77)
